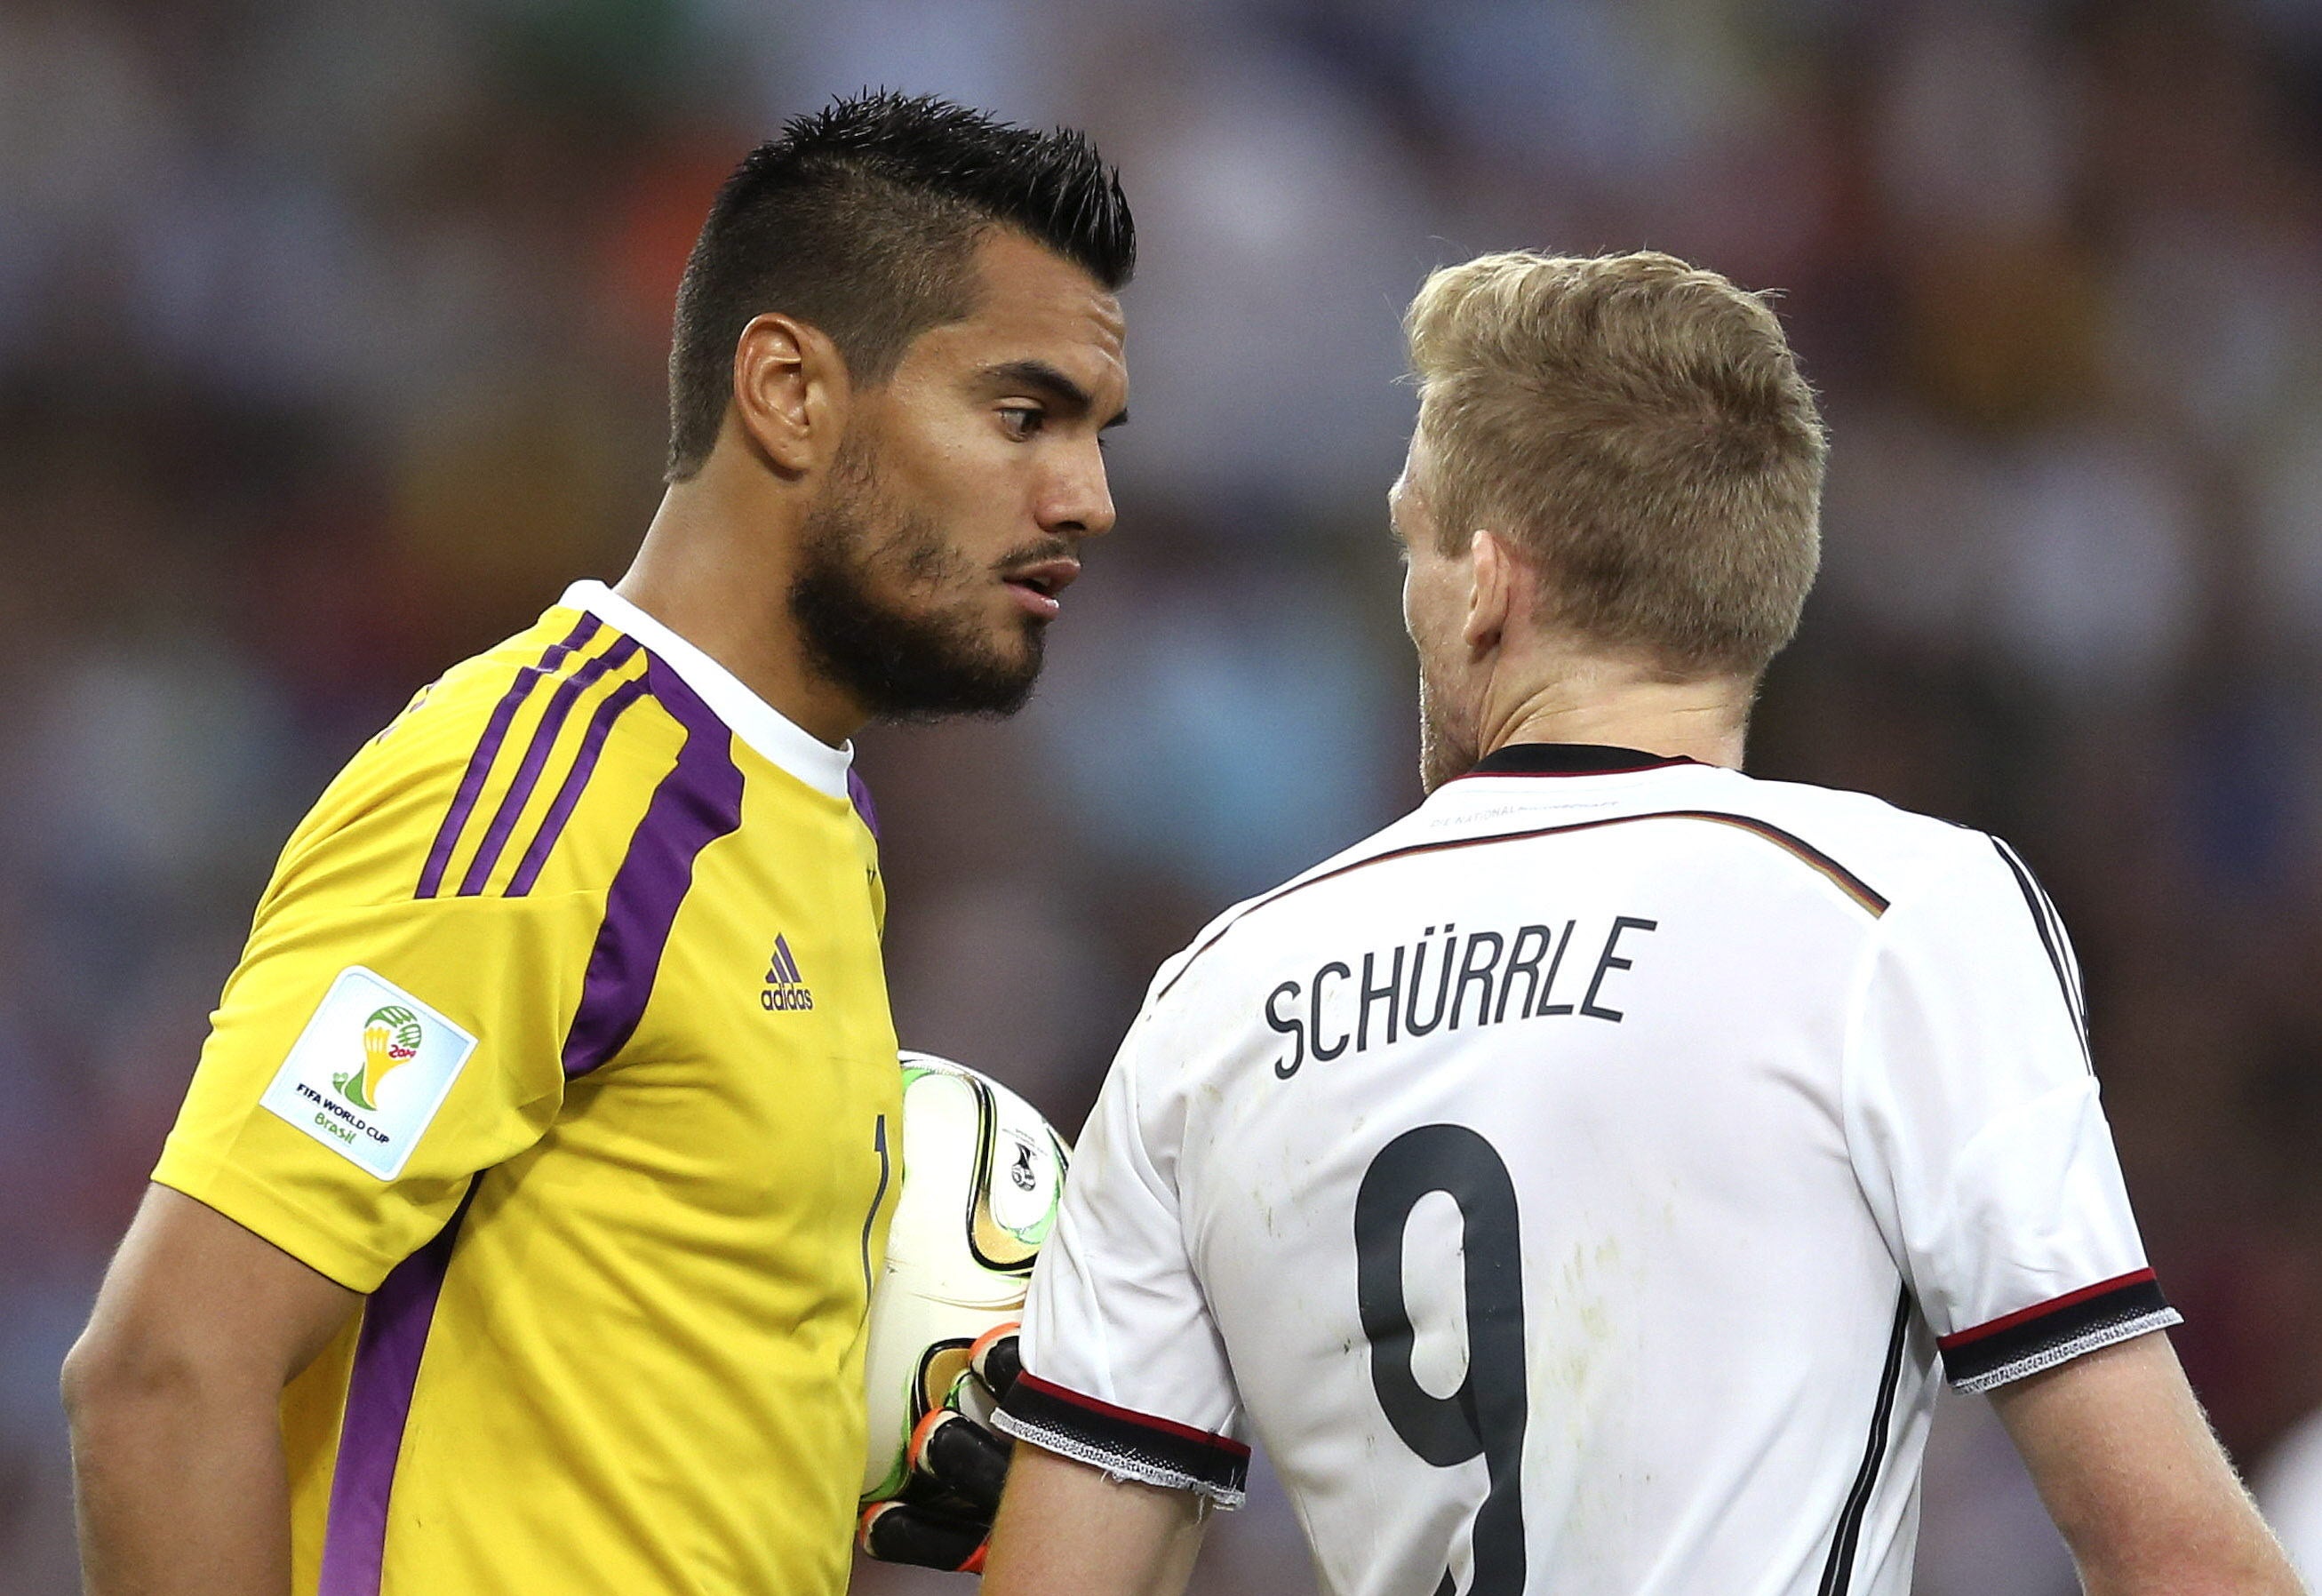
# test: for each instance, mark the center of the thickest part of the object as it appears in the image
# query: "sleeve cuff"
(2056, 1331)
(265, 1213)
(1124, 1443)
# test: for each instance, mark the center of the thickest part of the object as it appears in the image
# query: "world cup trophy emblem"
(390, 1038)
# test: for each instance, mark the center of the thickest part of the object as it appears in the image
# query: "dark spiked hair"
(862, 220)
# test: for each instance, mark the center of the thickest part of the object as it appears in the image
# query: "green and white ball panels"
(983, 1174)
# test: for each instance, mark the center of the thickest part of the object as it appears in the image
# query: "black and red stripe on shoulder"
(2049, 1333)
(1120, 1440)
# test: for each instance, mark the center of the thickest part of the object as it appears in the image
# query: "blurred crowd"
(331, 347)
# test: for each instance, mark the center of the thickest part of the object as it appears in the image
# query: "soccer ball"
(983, 1173)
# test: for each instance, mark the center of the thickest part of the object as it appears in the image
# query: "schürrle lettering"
(1449, 978)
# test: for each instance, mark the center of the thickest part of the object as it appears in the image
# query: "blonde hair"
(1640, 429)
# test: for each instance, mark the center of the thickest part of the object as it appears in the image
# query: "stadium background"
(331, 342)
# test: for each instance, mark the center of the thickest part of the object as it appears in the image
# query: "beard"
(900, 662)
(1448, 743)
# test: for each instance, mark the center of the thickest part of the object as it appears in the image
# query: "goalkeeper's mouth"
(1036, 586)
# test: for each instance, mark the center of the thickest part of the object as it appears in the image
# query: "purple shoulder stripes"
(576, 779)
(535, 758)
(488, 750)
(571, 684)
(697, 802)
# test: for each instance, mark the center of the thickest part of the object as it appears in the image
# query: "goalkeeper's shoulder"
(523, 771)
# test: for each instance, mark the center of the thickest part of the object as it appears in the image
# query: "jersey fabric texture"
(1577, 1185)
(563, 1033)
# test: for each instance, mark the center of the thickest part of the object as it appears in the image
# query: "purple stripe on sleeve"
(860, 791)
(479, 763)
(535, 760)
(697, 802)
(576, 781)
(387, 1353)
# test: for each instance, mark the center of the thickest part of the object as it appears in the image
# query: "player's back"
(1571, 1204)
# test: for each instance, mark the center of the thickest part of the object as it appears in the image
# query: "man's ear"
(791, 393)
(1496, 590)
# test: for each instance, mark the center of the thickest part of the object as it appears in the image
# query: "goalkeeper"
(516, 1231)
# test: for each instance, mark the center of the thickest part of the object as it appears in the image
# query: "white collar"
(774, 735)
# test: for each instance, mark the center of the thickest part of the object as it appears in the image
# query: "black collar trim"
(1571, 759)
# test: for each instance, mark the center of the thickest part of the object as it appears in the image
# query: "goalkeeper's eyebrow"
(1070, 401)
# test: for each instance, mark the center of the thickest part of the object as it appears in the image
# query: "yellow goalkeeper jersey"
(563, 1033)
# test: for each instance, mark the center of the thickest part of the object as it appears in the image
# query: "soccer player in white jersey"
(1580, 1185)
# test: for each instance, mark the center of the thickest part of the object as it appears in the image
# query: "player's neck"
(1623, 706)
(723, 585)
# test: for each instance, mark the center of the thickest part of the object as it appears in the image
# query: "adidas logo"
(785, 987)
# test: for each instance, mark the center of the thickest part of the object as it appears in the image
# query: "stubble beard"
(900, 663)
(1448, 746)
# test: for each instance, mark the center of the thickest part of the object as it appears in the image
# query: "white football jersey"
(1577, 1185)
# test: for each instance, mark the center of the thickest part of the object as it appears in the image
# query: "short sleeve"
(1124, 1368)
(368, 1060)
(1973, 1122)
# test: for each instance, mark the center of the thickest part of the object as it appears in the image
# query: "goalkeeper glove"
(942, 1518)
